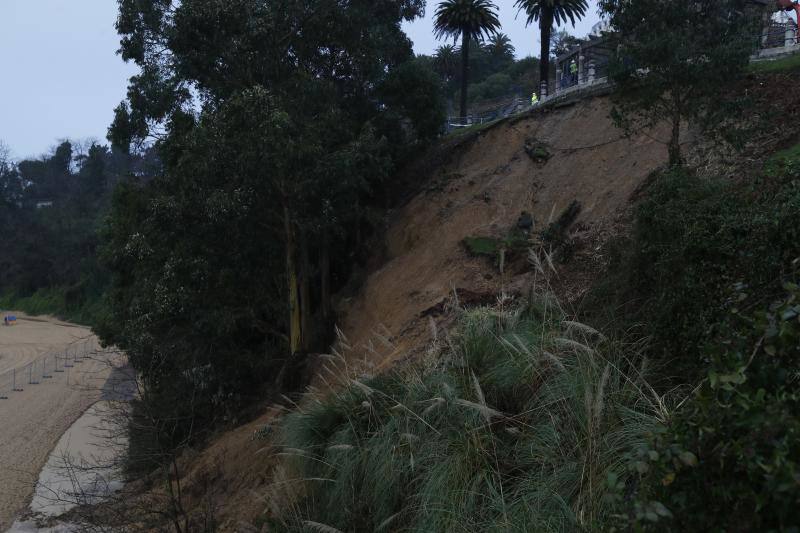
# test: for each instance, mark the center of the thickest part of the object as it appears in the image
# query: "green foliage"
(275, 164)
(515, 427)
(704, 273)
(51, 209)
(413, 91)
(483, 246)
(785, 162)
(494, 86)
(675, 61)
(556, 11)
(562, 42)
(472, 20)
(693, 240)
(784, 64)
(730, 458)
(492, 74)
(499, 250)
(82, 304)
(500, 48)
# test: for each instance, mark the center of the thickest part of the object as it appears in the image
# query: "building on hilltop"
(586, 64)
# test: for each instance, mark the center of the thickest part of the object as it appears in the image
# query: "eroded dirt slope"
(482, 190)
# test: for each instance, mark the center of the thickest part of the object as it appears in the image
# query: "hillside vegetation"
(583, 317)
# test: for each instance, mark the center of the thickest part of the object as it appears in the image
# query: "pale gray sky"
(61, 76)
(526, 40)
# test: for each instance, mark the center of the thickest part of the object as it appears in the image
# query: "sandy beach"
(33, 420)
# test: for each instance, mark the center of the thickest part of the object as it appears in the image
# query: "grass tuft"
(518, 427)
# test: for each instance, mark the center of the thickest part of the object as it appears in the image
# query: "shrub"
(743, 425)
(694, 240)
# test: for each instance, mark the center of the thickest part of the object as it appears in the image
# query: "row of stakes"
(68, 363)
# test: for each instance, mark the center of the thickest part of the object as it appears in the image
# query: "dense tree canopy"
(279, 128)
(676, 60)
(52, 207)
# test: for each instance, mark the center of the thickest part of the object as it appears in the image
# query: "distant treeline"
(51, 209)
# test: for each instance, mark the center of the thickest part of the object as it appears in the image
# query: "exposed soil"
(481, 191)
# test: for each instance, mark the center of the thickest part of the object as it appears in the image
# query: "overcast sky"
(61, 76)
(526, 40)
(59, 72)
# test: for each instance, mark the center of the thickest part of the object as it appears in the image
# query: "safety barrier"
(51, 366)
(504, 109)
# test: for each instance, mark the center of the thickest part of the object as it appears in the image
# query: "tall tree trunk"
(325, 277)
(675, 157)
(546, 26)
(464, 73)
(295, 323)
(305, 295)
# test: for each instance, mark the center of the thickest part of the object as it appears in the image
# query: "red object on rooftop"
(788, 5)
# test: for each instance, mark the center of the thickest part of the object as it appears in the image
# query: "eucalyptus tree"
(471, 20)
(547, 13)
(277, 135)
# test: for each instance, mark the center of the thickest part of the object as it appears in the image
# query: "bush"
(494, 86)
(516, 426)
(743, 425)
(694, 240)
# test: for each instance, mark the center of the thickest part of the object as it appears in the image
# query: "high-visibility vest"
(534, 99)
(573, 68)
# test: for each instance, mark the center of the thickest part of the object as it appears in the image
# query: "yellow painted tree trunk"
(295, 322)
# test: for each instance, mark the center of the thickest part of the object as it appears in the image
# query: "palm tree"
(500, 46)
(471, 20)
(445, 60)
(546, 12)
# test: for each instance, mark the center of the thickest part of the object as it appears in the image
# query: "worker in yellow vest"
(573, 72)
(534, 99)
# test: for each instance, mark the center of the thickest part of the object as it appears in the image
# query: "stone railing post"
(592, 72)
(790, 37)
(559, 80)
(581, 76)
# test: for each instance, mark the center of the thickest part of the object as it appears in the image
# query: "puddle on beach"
(83, 469)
